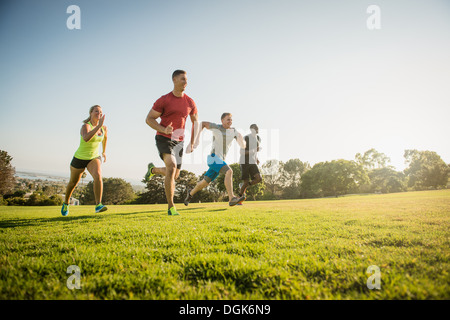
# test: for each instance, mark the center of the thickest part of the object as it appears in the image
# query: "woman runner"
(93, 132)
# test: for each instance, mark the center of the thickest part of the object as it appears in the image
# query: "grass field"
(301, 249)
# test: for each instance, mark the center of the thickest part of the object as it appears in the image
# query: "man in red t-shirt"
(173, 109)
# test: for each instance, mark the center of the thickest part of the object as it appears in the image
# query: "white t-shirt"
(222, 139)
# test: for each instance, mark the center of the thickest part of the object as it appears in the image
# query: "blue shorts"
(216, 166)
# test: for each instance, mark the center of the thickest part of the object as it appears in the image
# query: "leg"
(95, 169)
(256, 179)
(229, 183)
(210, 176)
(201, 185)
(245, 178)
(162, 172)
(170, 173)
(174, 150)
(244, 187)
(75, 176)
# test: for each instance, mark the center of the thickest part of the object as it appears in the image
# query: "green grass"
(301, 249)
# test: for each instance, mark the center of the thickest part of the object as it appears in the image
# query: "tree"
(7, 172)
(115, 191)
(271, 173)
(426, 170)
(372, 159)
(155, 191)
(40, 199)
(333, 178)
(290, 175)
(386, 180)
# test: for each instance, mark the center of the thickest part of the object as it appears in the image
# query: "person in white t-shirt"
(223, 136)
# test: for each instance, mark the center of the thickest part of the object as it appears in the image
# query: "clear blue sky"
(320, 84)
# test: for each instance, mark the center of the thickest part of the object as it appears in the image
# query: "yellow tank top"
(89, 150)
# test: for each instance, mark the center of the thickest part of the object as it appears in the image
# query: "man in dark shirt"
(249, 161)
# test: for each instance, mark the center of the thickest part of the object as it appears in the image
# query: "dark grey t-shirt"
(252, 143)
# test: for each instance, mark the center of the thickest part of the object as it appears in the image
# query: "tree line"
(369, 172)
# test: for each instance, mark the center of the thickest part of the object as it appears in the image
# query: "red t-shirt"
(174, 109)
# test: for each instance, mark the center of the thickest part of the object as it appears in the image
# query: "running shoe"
(235, 201)
(65, 209)
(100, 208)
(173, 212)
(188, 197)
(149, 173)
(240, 202)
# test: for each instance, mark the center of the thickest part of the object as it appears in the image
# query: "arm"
(240, 140)
(104, 143)
(195, 141)
(206, 124)
(194, 133)
(89, 134)
(151, 121)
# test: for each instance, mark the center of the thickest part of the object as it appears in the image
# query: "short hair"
(224, 115)
(177, 73)
(254, 126)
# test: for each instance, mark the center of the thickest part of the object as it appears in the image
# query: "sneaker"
(149, 173)
(235, 201)
(100, 208)
(188, 197)
(240, 202)
(173, 212)
(65, 209)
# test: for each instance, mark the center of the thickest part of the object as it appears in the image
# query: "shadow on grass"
(24, 222)
(188, 209)
(21, 222)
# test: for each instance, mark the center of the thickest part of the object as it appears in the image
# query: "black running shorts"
(167, 145)
(249, 171)
(81, 164)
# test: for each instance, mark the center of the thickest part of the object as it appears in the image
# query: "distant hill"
(54, 177)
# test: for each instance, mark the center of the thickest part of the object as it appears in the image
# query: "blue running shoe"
(65, 209)
(100, 208)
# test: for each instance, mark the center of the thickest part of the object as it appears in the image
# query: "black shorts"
(249, 170)
(81, 164)
(167, 145)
